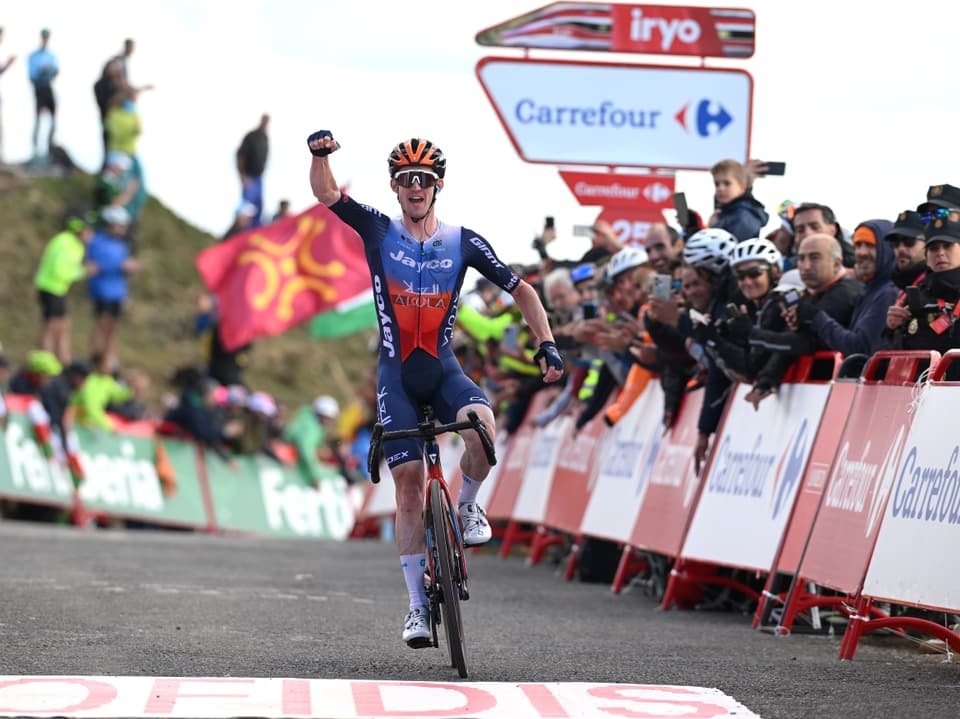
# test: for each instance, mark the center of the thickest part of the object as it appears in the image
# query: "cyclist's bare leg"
(409, 479)
(474, 463)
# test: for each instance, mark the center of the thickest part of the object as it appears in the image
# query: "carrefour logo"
(792, 465)
(703, 118)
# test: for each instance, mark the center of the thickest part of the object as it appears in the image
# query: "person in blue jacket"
(107, 286)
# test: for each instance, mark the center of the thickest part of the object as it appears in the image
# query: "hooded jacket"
(744, 217)
(864, 335)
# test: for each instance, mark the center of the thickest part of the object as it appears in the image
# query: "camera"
(791, 297)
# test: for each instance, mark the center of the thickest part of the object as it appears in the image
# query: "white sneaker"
(416, 628)
(473, 521)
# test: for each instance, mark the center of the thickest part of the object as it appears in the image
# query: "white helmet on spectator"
(709, 249)
(326, 406)
(626, 259)
(756, 249)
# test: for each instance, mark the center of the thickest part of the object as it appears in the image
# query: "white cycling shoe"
(416, 628)
(473, 522)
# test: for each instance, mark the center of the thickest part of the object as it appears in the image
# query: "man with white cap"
(311, 431)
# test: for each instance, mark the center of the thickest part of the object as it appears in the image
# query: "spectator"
(135, 407)
(257, 421)
(62, 264)
(123, 133)
(114, 78)
(929, 319)
(107, 285)
(42, 68)
(197, 414)
(283, 210)
(251, 162)
(39, 369)
(737, 210)
(3, 69)
(245, 218)
(118, 186)
(830, 288)
(223, 365)
(664, 247)
(873, 267)
(312, 431)
(942, 201)
(910, 257)
(811, 218)
(88, 404)
(709, 251)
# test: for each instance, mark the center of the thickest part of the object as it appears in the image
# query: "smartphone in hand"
(660, 286)
(680, 205)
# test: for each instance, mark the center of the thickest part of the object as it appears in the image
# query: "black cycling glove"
(322, 151)
(548, 351)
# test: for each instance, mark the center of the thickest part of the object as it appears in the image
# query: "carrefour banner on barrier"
(121, 476)
(624, 470)
(262, 496)
(913, 557)
(758, 460)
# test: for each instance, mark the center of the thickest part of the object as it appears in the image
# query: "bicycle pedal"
(420, 643)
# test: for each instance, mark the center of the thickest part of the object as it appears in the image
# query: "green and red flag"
(272, 278)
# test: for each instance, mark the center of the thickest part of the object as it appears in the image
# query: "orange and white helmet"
(417, 152)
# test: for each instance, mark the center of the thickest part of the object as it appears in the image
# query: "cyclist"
(417, 266)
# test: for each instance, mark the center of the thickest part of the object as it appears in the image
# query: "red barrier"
(843, 533)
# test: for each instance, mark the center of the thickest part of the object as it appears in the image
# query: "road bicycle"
(446, 571)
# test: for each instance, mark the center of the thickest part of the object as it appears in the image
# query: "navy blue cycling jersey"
(417, 285)
(417, 288)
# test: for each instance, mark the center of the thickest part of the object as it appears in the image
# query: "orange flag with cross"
(272, 278)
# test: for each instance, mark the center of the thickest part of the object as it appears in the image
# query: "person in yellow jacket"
(62, 264)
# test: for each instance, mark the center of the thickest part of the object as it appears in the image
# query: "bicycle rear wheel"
(448, 579)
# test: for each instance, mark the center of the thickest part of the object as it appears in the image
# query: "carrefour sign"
(563, 112)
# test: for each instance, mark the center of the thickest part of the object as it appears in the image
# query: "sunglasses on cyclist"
(751, 272)
(941, 213)
(905, 241)
(424, 178)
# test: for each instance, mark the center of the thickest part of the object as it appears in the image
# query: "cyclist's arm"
(530, 306)
(322, 182)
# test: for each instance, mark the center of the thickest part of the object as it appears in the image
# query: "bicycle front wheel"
(448, 570)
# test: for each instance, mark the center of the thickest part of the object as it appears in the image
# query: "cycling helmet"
(755, 249)
(709, 249)
(626, 259)
(417, 152)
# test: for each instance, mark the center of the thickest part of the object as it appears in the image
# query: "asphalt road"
(111, 602)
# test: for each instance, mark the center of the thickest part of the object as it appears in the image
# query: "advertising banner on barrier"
(624, 468)
(510, 478)
(262, 496)
(842, 538)
(912, 562)
(673, 485)
(502, 446)
(577, 460)
(531, 504)
(121, 478)
(758, 461)
(815, 478)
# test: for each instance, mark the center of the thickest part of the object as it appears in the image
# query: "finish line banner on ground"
(342, 699)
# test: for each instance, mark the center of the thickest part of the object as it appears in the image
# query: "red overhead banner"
(621, 190)
(649, 29)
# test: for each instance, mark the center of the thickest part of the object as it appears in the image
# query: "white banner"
(624, 471)
(758, 462)
(531, 505)
(913, 558)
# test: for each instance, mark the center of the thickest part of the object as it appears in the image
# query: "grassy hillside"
(156, 332)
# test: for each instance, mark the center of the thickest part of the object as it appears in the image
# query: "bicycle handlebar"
(426, 430)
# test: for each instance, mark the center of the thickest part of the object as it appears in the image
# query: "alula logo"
(791, 466)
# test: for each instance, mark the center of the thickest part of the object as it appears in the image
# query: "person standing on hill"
(42, 68)
(251, 162)
(62, 264)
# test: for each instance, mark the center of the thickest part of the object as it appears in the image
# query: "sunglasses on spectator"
(905, 241)
(941, 213)
(751, 272)
(676, 285)
(424, 178)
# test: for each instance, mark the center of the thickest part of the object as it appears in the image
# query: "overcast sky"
(857, 102)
